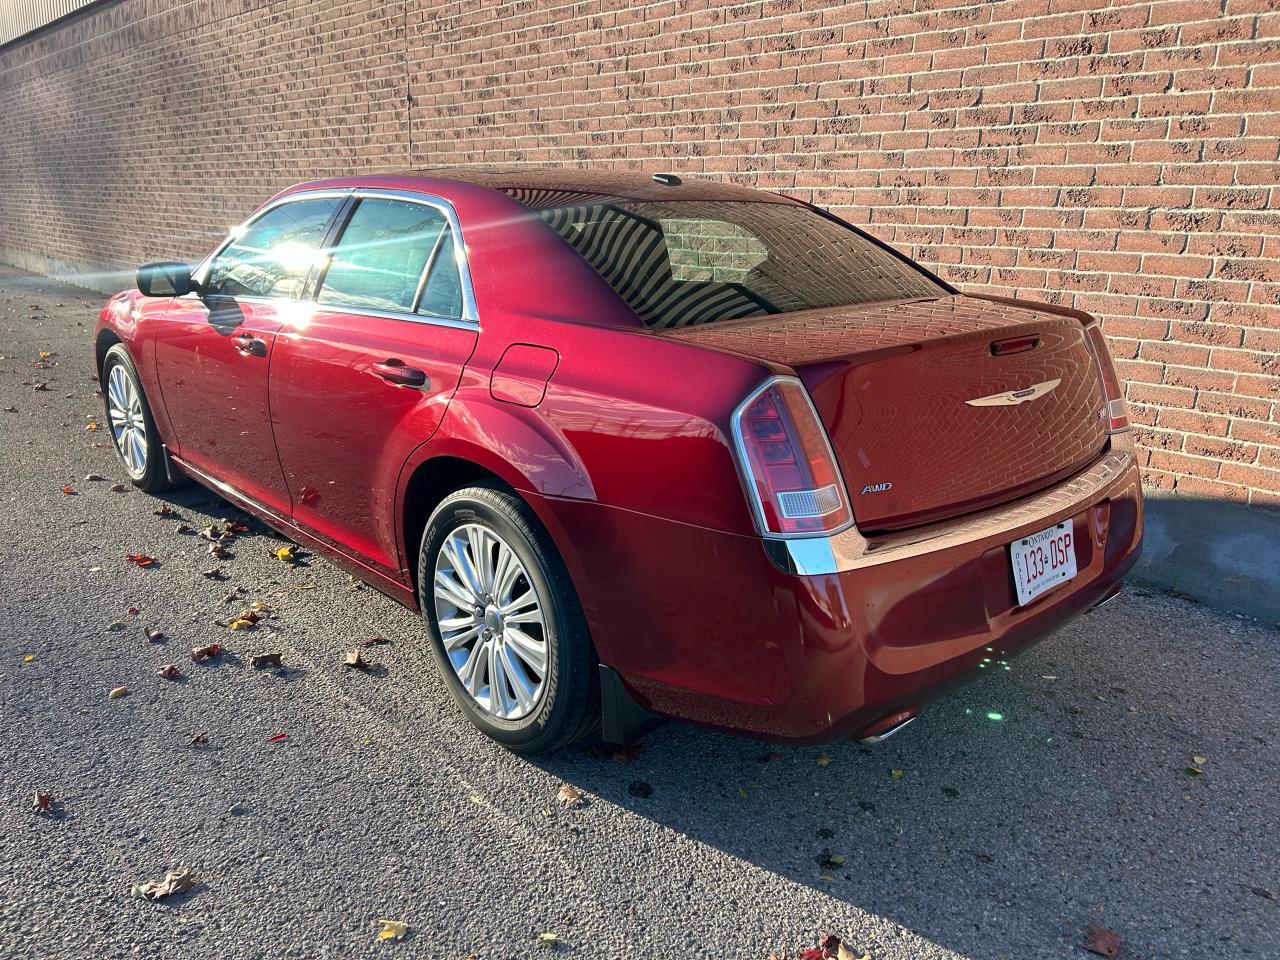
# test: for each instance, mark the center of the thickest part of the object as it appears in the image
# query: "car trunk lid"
(935, 407)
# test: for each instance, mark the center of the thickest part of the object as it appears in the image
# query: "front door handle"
(394, 371)
(250, 345)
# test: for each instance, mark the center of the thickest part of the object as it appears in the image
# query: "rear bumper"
(844, 640)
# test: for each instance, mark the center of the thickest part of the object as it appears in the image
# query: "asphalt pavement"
(1123, 773)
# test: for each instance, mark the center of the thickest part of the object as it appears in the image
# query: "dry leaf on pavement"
(200, 740)
(140, 559)
(154, 635)
(1102, 941)
(117, 693)
(393, 930)
(41, 802)
(175, 881)
(116, 488)
(170, 672)
(352, 659)
(288, 554)
(200, 654)
(824, 759)
(549, 939)
(571, 797)
(94, 476)
(896, 774)
(263, 660)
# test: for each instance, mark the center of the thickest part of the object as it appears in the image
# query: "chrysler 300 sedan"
(637, 447)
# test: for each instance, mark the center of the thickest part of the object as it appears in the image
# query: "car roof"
(542, 187)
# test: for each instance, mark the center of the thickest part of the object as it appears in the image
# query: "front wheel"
(133, 429)
(506, 627)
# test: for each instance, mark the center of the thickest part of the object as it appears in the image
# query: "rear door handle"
(250, 345)
(394, 371)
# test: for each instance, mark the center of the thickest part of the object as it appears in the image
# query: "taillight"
(1115, 413)
(792, 479)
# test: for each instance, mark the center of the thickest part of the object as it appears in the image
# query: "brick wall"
(1123, 158)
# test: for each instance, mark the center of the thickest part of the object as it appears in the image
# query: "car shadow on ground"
(1014, 812)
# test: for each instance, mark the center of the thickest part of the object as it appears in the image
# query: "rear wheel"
(133, 430)
(506, 628)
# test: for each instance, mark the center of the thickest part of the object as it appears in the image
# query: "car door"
(213, 348)
(363, 375)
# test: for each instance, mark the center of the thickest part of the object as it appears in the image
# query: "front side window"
(271, 256)
(684, 262)
(379, 261)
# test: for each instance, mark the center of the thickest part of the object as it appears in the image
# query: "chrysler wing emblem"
(1011, 398)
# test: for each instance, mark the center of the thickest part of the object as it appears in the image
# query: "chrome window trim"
(470, 317)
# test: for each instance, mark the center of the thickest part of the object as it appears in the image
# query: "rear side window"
(271, 256)
(380, 260)
(683, 262)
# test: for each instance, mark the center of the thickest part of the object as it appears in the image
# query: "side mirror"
(165, 279)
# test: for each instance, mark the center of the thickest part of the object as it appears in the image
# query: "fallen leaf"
(200, 654)
(1100, 940)
(170, 672)
(393, 930)
(218, 552)
(116, 488)
(243, 623)
(571, 797)
(770, 757)
(141, 560)
(829, 860)
(743, 795)
(199, 740)
(896, 774)
(41, 802)
(94, 476)
(92, 425)
(30, 657)
(115, 627)
(10, 409)
(1194, 771)
(69, 491)
(278, 738)
(164, 510)
(212, 533)
(235, 526)
(1199, 761)
(132, 611)
(40, 388)
(304, 586)
(824, 759)
(628, 753)
(374, 642)
(213, 573)
(182, 528)
(117, 693)
(288, 554)
(352, 659)
(175, 881)
(264, 660)
(1047, 676)
(549, 939)
(155, 635)
(844, 953)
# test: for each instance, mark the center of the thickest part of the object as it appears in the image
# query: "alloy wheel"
(129, 427)
(491, 621)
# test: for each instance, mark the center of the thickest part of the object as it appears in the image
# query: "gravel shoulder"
(964, 837)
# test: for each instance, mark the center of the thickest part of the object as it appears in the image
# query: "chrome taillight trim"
(748, 478)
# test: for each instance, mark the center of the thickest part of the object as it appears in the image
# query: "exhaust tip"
(882, 730)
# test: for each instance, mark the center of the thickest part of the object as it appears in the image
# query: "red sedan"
(637, 447)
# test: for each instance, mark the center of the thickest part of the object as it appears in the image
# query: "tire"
(141, 453)
(480, 521)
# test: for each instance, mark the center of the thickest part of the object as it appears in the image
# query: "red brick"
(1122, 159)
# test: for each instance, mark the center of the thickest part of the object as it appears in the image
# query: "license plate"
(1042, 561)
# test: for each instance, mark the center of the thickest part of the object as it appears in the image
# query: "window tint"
(442, 296)
(272, 255)
(691, 261)
(378, 261)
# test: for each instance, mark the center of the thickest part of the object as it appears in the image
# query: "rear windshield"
(683, 262)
